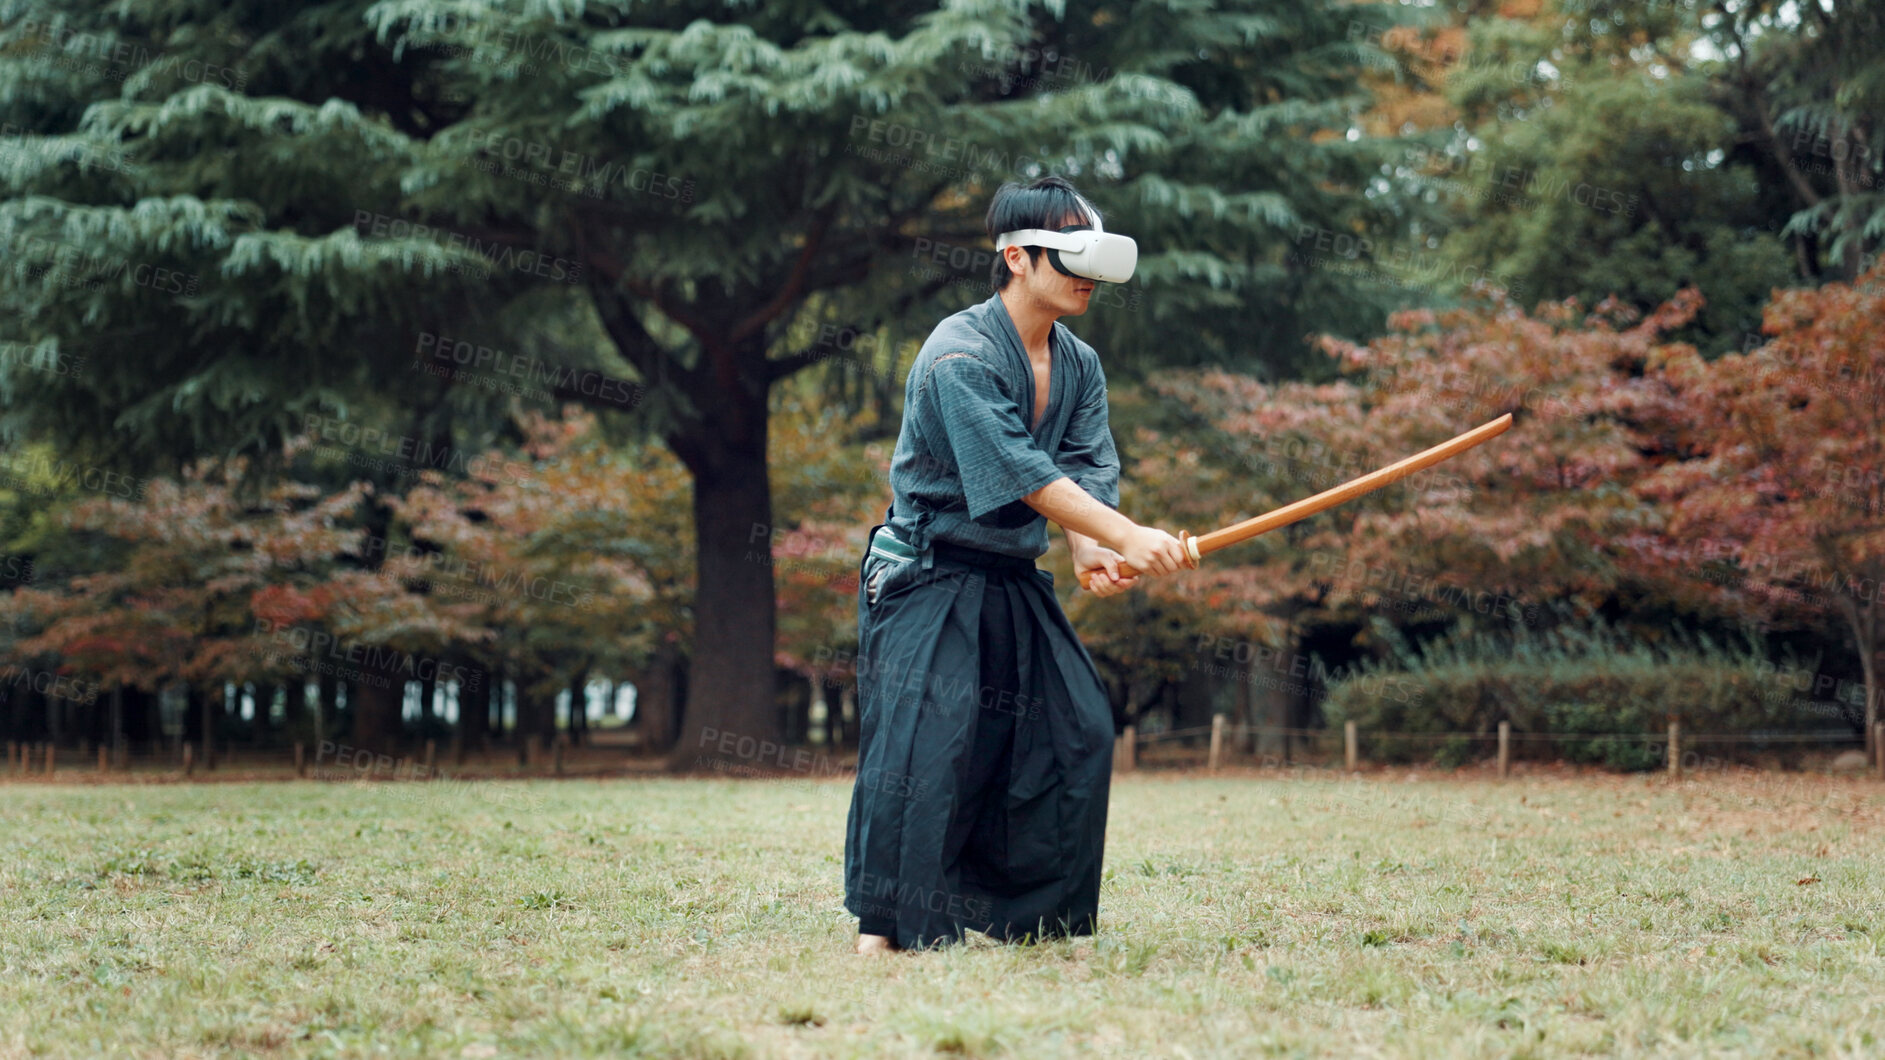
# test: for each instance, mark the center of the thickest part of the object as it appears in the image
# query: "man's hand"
(1105, 582)
(1153, 551)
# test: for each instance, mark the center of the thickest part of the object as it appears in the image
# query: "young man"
(985, 736)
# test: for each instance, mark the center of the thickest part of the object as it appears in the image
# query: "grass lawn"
(1242, 915)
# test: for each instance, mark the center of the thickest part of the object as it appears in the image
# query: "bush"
(1581, 678)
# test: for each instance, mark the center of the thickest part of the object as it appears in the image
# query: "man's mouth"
(1083, 288)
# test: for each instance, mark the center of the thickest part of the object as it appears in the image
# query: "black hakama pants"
(985, 755)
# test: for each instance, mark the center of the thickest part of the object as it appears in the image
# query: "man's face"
(1046, 287)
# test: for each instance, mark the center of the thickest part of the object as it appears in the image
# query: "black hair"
(1045, 203)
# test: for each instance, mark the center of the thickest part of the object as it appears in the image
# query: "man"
(985, 736)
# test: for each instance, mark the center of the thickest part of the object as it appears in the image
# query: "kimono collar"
(1011, 338)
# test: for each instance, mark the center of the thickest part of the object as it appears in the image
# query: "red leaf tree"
(1785, 488)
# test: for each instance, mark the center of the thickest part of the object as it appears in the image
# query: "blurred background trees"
(422, 369)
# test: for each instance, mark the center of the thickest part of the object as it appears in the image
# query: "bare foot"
(876, 944)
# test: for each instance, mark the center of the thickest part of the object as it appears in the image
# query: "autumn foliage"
(1640, 480)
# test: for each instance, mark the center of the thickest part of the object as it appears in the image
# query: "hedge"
(1444, 700)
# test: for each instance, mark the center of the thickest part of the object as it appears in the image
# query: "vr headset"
(1086, 251)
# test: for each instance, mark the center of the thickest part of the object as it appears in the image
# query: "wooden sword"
(1308, 506)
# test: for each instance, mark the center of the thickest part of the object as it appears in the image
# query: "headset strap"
(1041, 237)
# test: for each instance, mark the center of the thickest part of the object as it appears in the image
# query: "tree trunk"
(326, 705)
(377, 709)
(536, 716)
(730, 682)
(377, 701)
(579, 706)
(212, 721)
(142, 724)
(657, 700)
(193, 714)
(474, 707)
(1862, 621)
(428, 703)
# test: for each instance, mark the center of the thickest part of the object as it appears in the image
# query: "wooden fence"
(1316, 743)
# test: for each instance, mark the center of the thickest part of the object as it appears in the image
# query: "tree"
(1487, 541)
(1591, 158)
(330, 188)
(583, 562)
(1787, 482)
(191, 586)
(1806, 84)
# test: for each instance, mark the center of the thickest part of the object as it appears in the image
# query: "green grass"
(1242, 916)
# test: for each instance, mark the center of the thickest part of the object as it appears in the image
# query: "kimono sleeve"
(1086, 451)
(996, 457)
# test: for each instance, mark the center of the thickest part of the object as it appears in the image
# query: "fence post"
(1123, 747)
(1878, 746)
(12, 749)
(189, 759)
(104, 758)
(301, 759)
(1675, 747)
(1217, 739)
(1505, 749)
(431, 755)
(556, 755)
(49, 750)
(1352, 746)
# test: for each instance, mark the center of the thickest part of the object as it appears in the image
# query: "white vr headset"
(1089, 252)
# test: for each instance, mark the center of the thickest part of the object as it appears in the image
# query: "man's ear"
(1017, 259)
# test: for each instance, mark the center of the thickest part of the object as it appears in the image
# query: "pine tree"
(264, 221)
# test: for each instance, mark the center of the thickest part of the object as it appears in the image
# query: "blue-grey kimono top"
(967, 453)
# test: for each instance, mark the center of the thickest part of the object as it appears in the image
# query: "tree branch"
(794, 286)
